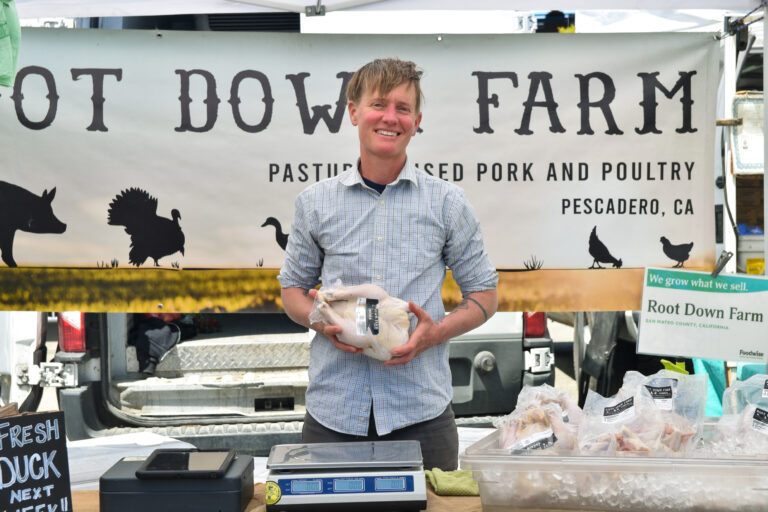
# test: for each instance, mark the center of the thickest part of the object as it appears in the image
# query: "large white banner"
(575, 150)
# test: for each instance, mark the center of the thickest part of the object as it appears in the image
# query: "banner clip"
(721, 261)
(315, 10)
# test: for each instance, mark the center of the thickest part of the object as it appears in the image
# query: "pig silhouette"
(21, 209)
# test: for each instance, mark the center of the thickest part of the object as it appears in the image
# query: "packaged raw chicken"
(538, 428)
(685, 395)
(742, 430)
(624, 424)
(546, 394)
(681, 401)
(369, 317)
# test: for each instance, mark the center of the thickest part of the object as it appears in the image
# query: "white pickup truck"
(240, 387)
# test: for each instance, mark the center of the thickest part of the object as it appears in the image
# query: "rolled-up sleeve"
(303, 256)
(464, 251)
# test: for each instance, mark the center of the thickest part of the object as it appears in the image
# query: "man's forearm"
(297, 304)
(472, 311)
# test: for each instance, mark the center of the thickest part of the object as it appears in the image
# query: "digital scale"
(370, 476)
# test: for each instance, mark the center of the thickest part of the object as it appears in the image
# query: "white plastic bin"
(749, 250)
(633, 484)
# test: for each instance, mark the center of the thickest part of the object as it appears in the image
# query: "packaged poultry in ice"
(545, 394)
(677, 435)
(742, 434)
(369, 317)
(624, 424)
(680, 400)
(743, 393)
(539, 428)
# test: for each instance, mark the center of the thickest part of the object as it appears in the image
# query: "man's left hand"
(426, 334)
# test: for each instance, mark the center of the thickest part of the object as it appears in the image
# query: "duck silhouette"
(152, 236)
(599, 252)
(679, 253)
(282, 238)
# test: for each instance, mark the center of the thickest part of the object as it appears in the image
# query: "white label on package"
(765, 389)
(760, 421)
(620, 412)
(538, 441)
(663, 395)
(367, 316)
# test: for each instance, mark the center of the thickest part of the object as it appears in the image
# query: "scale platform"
(370, 476)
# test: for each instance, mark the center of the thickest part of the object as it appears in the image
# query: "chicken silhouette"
(151, 236)
(679, 253)
(600, 252)
(282, 238)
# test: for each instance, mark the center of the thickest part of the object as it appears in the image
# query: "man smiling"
(390, 224)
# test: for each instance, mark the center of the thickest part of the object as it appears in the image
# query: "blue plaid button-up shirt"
(401, 240)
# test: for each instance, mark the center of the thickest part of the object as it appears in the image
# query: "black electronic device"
(186, 463)
(120, 490)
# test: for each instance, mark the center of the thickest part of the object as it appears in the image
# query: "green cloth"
(715, 370)
(745, 370)
(10, 37)
(452, 483)
(674, 367)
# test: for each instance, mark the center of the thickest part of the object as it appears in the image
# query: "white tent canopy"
(105, 8)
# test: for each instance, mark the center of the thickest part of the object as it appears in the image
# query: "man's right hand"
(331, 332)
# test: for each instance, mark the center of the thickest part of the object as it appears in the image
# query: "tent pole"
(288, 6)
(765, 143)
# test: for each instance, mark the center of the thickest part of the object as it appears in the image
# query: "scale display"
(341, 485)
(352, 485)
(303, 486)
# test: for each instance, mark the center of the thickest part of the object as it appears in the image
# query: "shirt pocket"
(420, 246)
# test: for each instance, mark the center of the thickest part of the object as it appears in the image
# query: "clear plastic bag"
(537, 428)
(741, 394)
(742, 430)
(370, 319)
(681, 401)
(625, 424)
(546, 394)
(743, 435)
(685, 395)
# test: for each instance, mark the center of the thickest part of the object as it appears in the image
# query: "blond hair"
(382, 76)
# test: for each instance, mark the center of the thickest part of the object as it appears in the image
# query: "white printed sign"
(563, 144)
(691, 314)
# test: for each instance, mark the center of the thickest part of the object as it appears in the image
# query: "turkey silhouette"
(600, 252)
(282, 238)
(152, 236)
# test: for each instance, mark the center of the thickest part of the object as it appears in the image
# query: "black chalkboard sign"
(34, 472)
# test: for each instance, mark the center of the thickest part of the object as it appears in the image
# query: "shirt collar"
(408, 172)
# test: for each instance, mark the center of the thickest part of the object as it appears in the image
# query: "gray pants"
(438, 437)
